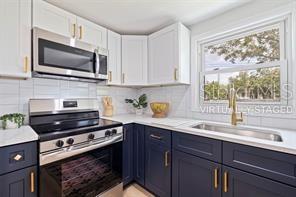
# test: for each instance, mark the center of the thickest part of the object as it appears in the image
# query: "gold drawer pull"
(26, 64)
(216, 178)
(176, 74)
(110, 76)
(80, 32)
(166, 159)
(225, 188)
(74, 30)
(32, 182)
(17, 157)
(123, 78)
(156, 137)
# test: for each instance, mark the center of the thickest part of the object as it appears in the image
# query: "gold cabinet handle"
(74, 30)
(26, 64)
(123, 78)
(17, 157)
(225, 180)
(216, 178)
(156, 137)
(175, 74)
(110, 76)
(32, 178)
(80, 32)
(166, 158)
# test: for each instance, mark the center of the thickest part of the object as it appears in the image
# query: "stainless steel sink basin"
(249, 132)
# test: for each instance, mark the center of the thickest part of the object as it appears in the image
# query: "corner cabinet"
(169, 56)
(114, 58)
(134, 60)
(15, 34)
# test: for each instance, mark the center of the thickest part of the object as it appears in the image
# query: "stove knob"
(91, 137)
(60, 143)
(114, 131)
(70, 141)
(107, 133)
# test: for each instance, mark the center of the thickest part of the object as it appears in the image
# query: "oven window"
(57, 55)
(88, 174)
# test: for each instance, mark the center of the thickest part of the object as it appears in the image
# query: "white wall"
(15, 94)
(180, 96)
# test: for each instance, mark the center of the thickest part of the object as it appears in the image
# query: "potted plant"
(12, 121)
(139, 104)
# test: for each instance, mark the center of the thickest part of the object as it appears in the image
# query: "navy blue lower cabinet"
(127, 154)
(158, 169)
(139, 154)
(237, 183)
(194, 176)
(21, 183)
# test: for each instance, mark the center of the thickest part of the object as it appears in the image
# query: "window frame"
(198, 44)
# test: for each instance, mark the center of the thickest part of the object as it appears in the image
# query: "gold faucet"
(233, 105)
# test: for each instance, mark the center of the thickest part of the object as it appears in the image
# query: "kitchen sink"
(241, 131)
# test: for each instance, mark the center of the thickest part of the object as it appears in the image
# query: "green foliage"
(139, 103)
(262, 84)
(262, 47)
(15, 117)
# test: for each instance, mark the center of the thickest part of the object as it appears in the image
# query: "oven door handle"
(59, 155)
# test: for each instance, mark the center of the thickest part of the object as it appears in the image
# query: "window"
(252, 61)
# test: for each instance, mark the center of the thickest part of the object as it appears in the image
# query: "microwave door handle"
(97, 63)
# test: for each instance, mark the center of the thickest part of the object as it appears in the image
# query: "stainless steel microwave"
(57, 56)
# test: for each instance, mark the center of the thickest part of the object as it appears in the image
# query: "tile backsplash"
(15, 94)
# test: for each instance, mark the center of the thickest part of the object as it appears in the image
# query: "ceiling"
(145, 16)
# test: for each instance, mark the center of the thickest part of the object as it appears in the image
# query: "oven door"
(94, 173)
(59, 55)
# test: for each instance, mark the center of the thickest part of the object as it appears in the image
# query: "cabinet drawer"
(158, 136)
(17, 157)
(199, 146)
(271, 164)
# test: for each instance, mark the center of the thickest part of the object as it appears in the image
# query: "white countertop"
(184, 125)
(17, 136)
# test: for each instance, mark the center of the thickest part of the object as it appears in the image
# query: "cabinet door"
(21, 183)
(114, 58)
(163, 55)
(134, 60)
(194, 175)
(91, 33)
(15, 38)
(243, 184)
(54, 19)
(139, 154)
(158, 169)
(128, 154)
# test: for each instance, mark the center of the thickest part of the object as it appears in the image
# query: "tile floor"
(135, 190)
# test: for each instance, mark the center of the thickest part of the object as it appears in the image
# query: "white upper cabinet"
(134, 60)
(91, 33)
(114, 58)
(54, 19)
(169, 56)
(15, 38)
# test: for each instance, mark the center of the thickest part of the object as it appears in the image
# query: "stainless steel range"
(80, 154)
